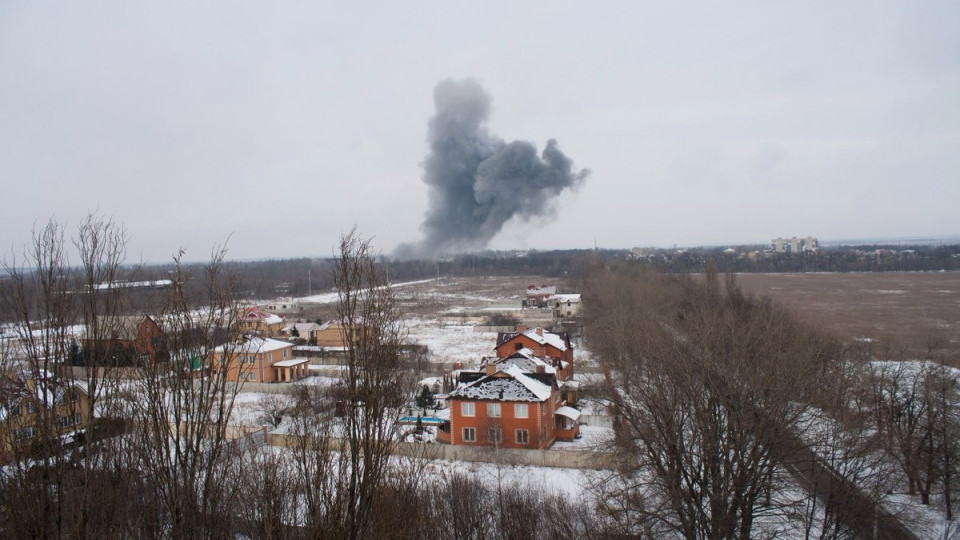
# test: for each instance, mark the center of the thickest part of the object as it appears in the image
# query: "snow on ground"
(573, 483)
(450, 343)
(332, 297)
(592, 438)
(250, 408)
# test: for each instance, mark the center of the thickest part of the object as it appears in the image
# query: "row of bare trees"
(151, 462)
(156, 462)
(721, 395)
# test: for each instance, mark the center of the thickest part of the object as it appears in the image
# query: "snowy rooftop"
(291, 362)
(256, 345)
(509, 384)
(302, 327)
(537, 290)
(255, 314)
(543, 337)
(525, 360)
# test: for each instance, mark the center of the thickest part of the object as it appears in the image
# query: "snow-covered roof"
(290, 363)
(569, 412)
(525, 360)
(48, 389)
(572, 298)
(509, 384)
(256, 314)
(255, 345)
(539, 290)
(302, 327)
(546, 338)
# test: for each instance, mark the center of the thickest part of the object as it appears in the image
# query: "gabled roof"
(122, 327)
(510, 384)
(548, 338)
(302, 327)
(525, 360)
(255, 345)
(256, 314)
(15, 387)
(540, 290)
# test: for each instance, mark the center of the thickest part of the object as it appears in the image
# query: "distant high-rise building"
(794, 245)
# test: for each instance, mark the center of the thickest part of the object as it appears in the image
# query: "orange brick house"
(35, 411)
(129, 341)
(263, 323)
(505, 407)
(542, 344)
(333, 334)
(260, 360)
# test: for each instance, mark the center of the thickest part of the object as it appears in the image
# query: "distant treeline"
(299, 277)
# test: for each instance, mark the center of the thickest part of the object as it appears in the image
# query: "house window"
(523, 436)
(469, 434)
(493, 410)
(250, 359)
(285, 353)
(252, 376)
(71, 420)
(74, 396)
(25, 433)
(520, 410)
(31, 407)
(466, 409)
(517, 346)
(495, 435)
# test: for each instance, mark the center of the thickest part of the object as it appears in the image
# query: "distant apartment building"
(794, 245)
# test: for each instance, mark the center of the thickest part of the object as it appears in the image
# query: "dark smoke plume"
(477, 181)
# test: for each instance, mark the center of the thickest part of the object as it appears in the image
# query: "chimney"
(540, 331)
(491, 368)
(521, 328)
(540, 368)
(457, 365)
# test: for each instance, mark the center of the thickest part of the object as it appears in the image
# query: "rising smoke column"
(477, 181)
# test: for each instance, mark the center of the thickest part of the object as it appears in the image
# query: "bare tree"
(709, 386)
(55, 305)
(373, 378)
(343, 436)
(185, 405)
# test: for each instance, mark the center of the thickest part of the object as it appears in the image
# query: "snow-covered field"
(450, 342)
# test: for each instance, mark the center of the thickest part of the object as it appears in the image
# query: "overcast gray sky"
(286, 124)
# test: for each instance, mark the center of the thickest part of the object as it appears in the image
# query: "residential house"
(537, 295)
(126, 341)
(542, 344)
(565, 306)
(306, 331)
(262, 323)
(261, 360)
(505, 407)
(528, 362)
(333, 334)
(37, 410)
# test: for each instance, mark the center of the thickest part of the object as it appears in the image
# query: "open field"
(910, 310)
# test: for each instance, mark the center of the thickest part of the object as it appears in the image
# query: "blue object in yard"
(425, 420)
